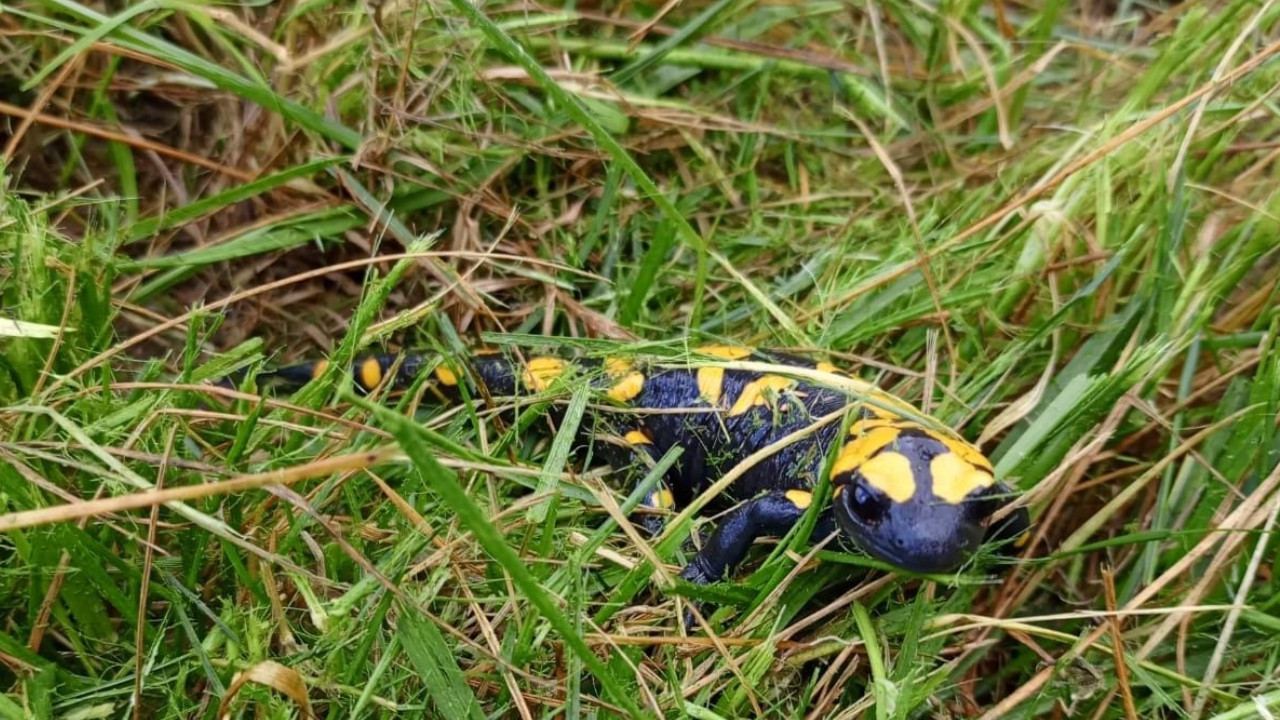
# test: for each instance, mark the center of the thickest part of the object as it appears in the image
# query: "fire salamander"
(904, 491)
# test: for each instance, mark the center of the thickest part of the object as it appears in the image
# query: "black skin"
(922, 535)
(713, 442)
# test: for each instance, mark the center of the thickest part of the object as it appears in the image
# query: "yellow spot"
(857, 451)
(446, 377)
(711, 384)
(759, 392)
(662, 499)
(967, 452)
(800, 498)
(890, 473)
(370, 373)
(637, 437)
(630, 384)
(627, 388)
(542, 371)
(1022, 540)
(318, 369)
(724, 352)
(954, 479)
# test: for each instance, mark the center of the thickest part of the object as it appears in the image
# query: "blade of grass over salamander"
(637, 496)
(561, 446)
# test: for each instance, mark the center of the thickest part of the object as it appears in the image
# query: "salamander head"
(913, 498)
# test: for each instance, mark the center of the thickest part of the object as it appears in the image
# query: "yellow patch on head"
(967, 452)
(711, 384)
(662, 499)
(318, 369)
(863, 427)
(800, 498)
(446, 376)
(542, 371)
(856, 452)
(724, 352)
(954, 479)
(759, 392)
(1022, 540)
(637, 437)
(369, 373)
(629, 385)
(890, 473)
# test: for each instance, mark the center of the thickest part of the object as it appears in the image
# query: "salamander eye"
(866, 504)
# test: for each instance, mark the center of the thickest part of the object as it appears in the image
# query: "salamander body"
(904, 489)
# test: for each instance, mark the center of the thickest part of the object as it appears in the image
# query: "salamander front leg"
(771, 514)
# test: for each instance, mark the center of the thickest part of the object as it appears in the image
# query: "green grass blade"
(558, 456)
(238, 193)
(442, 481)
(437, 667)
(687, 32)
(509, 47)
(266, 97)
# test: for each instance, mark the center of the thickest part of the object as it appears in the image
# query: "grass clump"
(1052, 226)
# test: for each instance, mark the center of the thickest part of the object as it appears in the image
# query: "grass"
(1051, 225)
